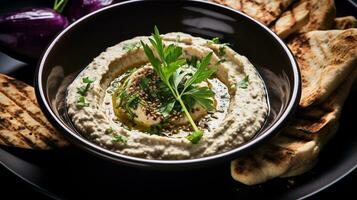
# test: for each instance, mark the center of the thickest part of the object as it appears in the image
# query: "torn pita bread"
(271, 161)
(22, 123)
(291, 153)
(346, 22)
(292, 20)
(325, 59)
(321, 17)
(312, 120)
(265, 11)
(305, 16)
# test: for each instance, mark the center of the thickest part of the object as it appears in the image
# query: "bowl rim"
(91, 147)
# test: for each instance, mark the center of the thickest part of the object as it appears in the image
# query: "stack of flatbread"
(22, 124)
(325, 48)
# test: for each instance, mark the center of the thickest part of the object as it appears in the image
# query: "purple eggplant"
(79, 8)
(28, 31)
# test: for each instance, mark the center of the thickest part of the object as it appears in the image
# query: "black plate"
(74, 174)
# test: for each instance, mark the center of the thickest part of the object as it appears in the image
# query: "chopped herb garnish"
(131, 46)
(243, 83)
(130, 104)
(215, 40)
(87, 80)
(125, 100)
(120, 138)
(169, 68)
(84, 89)
(133, 101)
(222, 50)
(81, 102)
(144, 83)
(195, 136)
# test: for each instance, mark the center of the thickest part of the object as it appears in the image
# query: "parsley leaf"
(84, 89)
(222, 51)
(215, 40)
(132, 103)
(243, 83)
(195, 136)
(144, 83)
(222, 47)
(81, 102)
(203, 72)
(168, 62)
(203, 96)
(166, 109)
(120, 138)
(87, 80)
(131, 46)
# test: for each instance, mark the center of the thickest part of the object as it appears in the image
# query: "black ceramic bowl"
(75, 47)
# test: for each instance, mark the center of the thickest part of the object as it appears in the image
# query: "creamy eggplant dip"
(171, 96)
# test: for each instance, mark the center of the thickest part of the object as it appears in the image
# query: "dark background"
(12, 187)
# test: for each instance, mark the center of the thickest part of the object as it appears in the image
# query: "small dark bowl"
(78, 44)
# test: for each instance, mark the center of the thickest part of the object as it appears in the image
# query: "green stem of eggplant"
(59, 5)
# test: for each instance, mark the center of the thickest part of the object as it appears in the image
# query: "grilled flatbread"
(265, 11)
(346, 22)
(293, 20)
(325, 59)
(22, 123)
(321, 17)
(292, 152)
(305, 16)
(272, 160)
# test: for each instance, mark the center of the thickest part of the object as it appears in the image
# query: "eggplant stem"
(59, 5)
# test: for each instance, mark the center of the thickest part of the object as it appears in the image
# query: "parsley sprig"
(182, 84)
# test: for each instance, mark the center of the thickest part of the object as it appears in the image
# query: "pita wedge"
(346, 22)
(325, 59)
(22, 123)
(265, 11)
(321, 17)
(305, 16)
(292, 20)
(295, 150)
